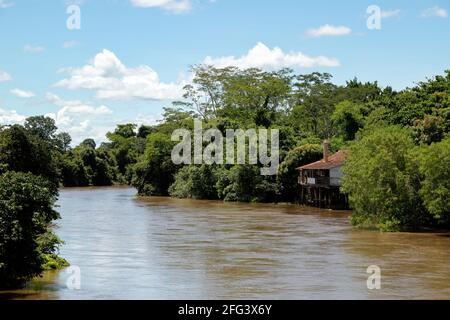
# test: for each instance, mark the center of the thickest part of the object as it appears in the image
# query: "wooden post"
(329, 198)
(302, 199)
(320, 198)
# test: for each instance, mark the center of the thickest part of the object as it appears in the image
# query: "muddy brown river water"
(162, 248)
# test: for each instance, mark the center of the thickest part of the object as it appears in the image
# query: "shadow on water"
(445, 235)
(43, 287)
(16, 296)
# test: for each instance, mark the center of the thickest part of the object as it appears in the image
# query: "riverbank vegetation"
(394, 184)
(29, 182)
(396, 175)
(27, 243)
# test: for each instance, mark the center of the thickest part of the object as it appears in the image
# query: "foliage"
(435, 179)
(382, 181)
(63, 141)
(154, 172)
(315, 96)
(86, 166)
(347, 119)
(26, 211)
(252, 96)
(52, 261)
(429, 129)
(48, 246)
(41, 126)
(195, 182)
(22, 151)
(126, 146)
(244, 183)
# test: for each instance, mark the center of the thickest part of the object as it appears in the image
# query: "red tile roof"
(334, 161)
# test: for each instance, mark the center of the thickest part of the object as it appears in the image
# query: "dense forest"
(397, 174)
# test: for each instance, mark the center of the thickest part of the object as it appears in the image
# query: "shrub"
(244, 183)
(196, 182)
(26, 210)
(382, 180)
(435, 183)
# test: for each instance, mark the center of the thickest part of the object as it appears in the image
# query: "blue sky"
(131, 57)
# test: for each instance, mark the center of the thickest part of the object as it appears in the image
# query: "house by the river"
(320, 181)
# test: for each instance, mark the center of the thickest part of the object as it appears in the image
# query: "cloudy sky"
(130, 58)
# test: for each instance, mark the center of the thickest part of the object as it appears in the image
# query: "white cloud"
(22, 93)
(11, 117)
(146, 119)
(56, 100)
(74, 2)
(73, 108)
(329, 30)
(5, 4)
(33, 49)
(390, 14)
(67, 116)
(271, 59)
(4, 76)
(435, 12)
(69, 44)
(111, 79)
(80, 120)
(176, 6)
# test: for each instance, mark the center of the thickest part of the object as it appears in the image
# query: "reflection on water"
(176, 249)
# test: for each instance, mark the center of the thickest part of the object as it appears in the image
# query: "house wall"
(336, 176)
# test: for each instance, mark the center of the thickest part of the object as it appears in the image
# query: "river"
(162, 248)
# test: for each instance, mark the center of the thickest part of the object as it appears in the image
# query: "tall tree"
(315, 99)
(43, 127)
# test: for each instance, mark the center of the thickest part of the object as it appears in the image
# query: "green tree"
(195, 182)
(347, 119)
(244, 183)
(126, 147)
(87, 166)
(41, 126)
(125, 130)
(435, 183)
(154, 172)
(63, 141)
(26, 211)
(251, 96)
(429, 129)
(358, 92)
(144, 131)
(255, 97)
(315, 97)
(21, 151)
(88, 143)
(382, 181)
(73, 171)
